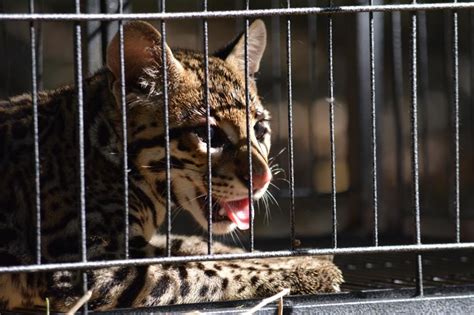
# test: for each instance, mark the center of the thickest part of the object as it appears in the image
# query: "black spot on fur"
(138, 145)
(161, 286)
(184, 290)
(186, 161)
(238, 277)
(203, 291)
(261, 289)
(176, 163)
(182, 146)
(200, 266)
(144, 199)
(225, 283)
(254, 280)
(241, 289)
(133, 289)
(183, 273)
(210, 273)
(160, 187)
(138, 242)
(121, 274)
(176, 245)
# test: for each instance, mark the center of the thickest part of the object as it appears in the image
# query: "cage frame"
(418, 297)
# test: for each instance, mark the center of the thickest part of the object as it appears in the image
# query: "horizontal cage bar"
(233, 14)
(269, 254)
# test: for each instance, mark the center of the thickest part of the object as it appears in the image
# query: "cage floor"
(395, 271)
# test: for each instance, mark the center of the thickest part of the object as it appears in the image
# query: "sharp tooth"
(221, 212)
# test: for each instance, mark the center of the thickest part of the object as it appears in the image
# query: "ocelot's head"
(188, 133)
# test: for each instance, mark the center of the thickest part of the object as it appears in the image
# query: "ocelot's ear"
(234, 53)
(142, 54)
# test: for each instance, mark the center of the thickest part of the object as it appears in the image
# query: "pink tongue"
(238, 212)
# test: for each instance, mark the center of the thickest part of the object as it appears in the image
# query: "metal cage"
(398, 272)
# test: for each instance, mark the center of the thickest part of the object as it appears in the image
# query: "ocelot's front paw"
(314, 275)
(303, 275)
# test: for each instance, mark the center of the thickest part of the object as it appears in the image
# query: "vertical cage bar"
(456, 124)
(331, 126)
(276, 69)
(249, 138)
(39, 52)
(374, 125)
(414, 140)
(124, 132)
(208, 125)
(397, 63)
(34, 90)
(471, 90)
(290, 129)
(167, 130)
(80, 114)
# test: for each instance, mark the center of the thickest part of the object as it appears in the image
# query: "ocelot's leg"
(162, 284)
(205, 281)
(173, 283)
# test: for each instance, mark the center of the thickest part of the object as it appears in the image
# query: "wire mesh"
(332, 136)
(248, 131)
(418, 247)
(34, 90)
(291, 154)
(208, 126)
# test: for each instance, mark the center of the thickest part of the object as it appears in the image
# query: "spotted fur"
(60, 222)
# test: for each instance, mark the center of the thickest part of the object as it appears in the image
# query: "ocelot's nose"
(259, 179)
(261, 174)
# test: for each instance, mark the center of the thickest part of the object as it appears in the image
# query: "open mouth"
(236, 211)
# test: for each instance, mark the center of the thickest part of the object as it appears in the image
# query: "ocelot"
(157, 284)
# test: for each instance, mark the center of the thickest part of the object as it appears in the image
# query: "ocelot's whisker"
(272, 158)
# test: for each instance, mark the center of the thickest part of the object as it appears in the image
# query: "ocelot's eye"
(218, 137)
(260, 130)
